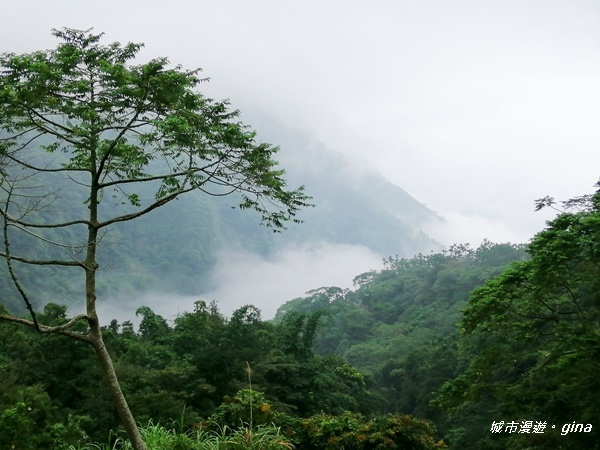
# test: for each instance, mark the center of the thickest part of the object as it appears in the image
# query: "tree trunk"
(95, 335)
(119, 400)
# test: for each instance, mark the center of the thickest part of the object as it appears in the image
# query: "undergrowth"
(157, 437)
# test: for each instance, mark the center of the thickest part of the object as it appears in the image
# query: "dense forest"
(358, 354)
(462, 339)
(181, 262)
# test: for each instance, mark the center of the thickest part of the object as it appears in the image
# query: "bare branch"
(60, 329)
(48, 262)
(153, 206)
(40, 169)
(221, 194)
(141, 180)
(18, 135)
(51, 225)
(37, 236)
(42, 126)
(11, 271)
(163, 176)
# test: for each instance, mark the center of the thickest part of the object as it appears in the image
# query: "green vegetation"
(156, 437)
(374, 367)
(83, 119)
(530, 338)
(503, 334)
(399, 326)
(232, 379)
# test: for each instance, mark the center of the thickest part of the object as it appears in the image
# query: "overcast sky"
(476, 108)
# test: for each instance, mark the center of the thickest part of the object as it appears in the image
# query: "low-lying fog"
(244, 278)
(241, 278)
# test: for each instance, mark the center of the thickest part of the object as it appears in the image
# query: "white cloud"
(244, 278)
(473, 228)
(438, 97)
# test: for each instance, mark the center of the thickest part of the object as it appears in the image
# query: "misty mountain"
(354, 203)
(174, 249)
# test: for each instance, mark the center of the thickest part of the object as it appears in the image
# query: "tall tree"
(81, 122)
(530, 337)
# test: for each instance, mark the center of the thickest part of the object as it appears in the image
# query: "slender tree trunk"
(119, 400)
(106, 365)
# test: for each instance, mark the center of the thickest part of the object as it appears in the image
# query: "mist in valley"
(242, 278)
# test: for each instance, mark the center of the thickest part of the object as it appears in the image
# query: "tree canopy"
(122, 125)
(530, 338)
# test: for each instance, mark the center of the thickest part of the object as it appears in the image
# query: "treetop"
(125, 124)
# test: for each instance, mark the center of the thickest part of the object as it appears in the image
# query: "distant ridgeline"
(355, 203)
(174, 247)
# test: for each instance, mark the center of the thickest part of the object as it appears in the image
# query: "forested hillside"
(407, 303)
(181, 241)
(199, 369)
(354, 203)
(193, 369)
(399, 325)
(497, 346)
(521, 356)
(384, 348)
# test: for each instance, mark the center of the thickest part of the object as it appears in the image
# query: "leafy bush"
(156, 437)
(353, 432)
(247, 406)
(30, 424)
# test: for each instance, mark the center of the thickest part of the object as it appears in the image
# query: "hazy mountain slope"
(174, 248)
(354, 203)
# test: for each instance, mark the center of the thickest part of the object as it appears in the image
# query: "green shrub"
(352, 431)
(156, 437)
(247, 406)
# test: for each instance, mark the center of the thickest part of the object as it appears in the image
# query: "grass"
(156, 437)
